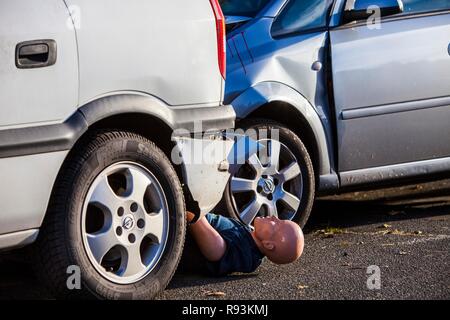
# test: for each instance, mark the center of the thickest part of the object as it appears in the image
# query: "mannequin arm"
(210, 242)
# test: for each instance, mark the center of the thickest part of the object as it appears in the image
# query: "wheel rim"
(125, 222)
(268, 184)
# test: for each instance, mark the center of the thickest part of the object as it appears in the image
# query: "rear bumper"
(204, 119)
(208, 162)
(62, 136)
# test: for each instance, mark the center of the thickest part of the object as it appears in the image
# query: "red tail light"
(221, 36)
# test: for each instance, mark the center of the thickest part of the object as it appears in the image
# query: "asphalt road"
(404, 231)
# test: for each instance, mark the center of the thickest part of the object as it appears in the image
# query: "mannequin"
(229, 246)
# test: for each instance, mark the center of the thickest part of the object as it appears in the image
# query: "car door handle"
(36, 54)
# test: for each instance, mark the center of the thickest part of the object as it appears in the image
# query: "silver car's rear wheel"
(125, 222)
(269, 184)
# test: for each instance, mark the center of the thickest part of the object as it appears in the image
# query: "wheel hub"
(128, 222)
(267, 185)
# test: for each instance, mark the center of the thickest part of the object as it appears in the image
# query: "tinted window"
(417, 6)
(300, 15)
(245, 8)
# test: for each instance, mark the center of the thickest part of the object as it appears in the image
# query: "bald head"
(280, 240)
(289, 243)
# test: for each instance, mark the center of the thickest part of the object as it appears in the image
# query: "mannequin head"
(281, 241)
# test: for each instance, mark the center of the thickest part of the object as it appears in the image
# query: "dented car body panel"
(373, 96)
(262, 70)
(208, 163)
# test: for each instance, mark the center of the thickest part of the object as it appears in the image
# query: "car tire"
(69, 244)
(292, 146)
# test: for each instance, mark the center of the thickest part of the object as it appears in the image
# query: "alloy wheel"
(268, 184)
(125, 222)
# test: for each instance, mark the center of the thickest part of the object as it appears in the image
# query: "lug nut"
(132, 238)
(119, 231)
(270, 197)
(134, 207)
(120, 211)
(141, 223)
(259, 189)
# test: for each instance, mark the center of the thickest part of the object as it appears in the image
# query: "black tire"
(60, 243)
(295, 145)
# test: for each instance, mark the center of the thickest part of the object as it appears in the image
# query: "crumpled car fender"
(266, 92)
(209, 162)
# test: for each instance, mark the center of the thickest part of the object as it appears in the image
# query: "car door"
(392, 87)
(39, 82)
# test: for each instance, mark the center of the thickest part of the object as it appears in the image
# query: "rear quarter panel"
(164, 48)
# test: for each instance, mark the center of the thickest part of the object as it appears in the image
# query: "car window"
(245, 8)
(418, 6)
(300, 15)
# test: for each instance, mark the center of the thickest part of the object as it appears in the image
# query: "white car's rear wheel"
(125, 222)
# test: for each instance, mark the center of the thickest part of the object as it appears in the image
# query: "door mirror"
(356, 10)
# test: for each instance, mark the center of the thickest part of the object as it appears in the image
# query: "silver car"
(93, 98)
(359, 90)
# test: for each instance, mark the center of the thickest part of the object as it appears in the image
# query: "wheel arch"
(141, 114)
(132, 111)
(288, 116)
(292, 110)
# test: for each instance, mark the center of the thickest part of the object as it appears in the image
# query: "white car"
(91, 94)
